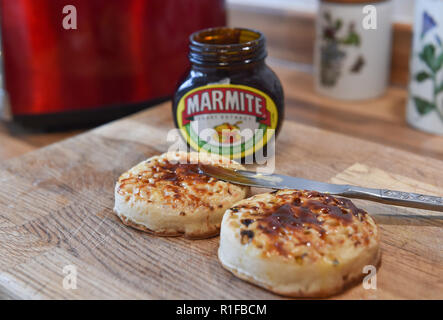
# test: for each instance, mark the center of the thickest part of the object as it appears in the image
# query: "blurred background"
(403, 9)
(125, 56)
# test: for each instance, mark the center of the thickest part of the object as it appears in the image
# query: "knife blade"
(278, 181)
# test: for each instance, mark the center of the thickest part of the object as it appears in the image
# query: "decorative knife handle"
(413, 199)
(399, 198)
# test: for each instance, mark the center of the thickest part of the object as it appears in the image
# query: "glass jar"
(230, 102)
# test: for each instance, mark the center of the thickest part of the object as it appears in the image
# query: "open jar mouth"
(224, 46)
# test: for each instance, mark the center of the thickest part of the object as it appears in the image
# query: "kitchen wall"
(403, 9)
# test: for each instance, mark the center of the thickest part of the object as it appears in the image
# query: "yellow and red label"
(227, 119)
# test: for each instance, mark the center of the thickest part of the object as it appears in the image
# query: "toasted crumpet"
(298, 243)
(168, 195)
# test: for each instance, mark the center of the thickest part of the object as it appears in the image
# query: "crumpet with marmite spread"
(298, 243)
(169, 195)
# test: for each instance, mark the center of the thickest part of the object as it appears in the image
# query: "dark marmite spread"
(230, 103)
(297, 214)
(175, 173)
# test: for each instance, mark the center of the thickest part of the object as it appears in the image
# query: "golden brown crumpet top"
(177, 179)
(172, 178)
(170, 195)
(301, 225)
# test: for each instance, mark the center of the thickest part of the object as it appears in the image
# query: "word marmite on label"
(232, 120)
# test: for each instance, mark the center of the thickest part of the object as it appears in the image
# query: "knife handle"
(399, 198)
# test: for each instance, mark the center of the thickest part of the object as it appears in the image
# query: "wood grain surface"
(17, 140)
(56, 211)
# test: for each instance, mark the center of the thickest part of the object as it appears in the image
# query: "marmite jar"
(230, 103)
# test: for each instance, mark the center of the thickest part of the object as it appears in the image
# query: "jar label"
(227, 119)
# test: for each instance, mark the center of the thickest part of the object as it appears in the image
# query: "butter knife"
(277, 181)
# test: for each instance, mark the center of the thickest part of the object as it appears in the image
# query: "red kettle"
(119, 55)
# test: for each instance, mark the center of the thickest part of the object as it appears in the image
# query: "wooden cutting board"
(56, 214)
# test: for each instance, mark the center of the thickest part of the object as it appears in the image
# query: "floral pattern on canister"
(425, 103)
(432, 57)
(352, 51)
(333, 50)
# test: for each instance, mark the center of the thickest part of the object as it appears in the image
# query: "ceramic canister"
(353, 48)
(425, 103)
